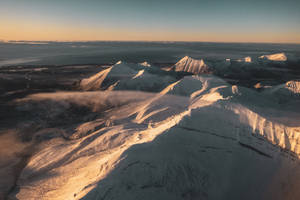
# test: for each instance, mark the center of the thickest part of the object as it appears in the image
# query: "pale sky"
(151, 20)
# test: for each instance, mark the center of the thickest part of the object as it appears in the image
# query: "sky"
(275, 21)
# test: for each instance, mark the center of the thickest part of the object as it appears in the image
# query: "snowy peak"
(185, 59)
(140, 73)
(189, 60)
(285, 92)
(293, 86)
(275, 57)
(247, 59)
(145, 64)
(128, 76)
(188, 64)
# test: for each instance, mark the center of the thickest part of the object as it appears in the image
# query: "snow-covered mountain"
(198, 138)
(125, 76)
(247, 59)
(289, 89)
(294, 86)
(146, 64)
(274, 57)
(188, 64)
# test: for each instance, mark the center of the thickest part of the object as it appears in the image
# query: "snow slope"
(111, 75)
(199, 138)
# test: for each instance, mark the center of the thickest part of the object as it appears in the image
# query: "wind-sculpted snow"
(198, 138)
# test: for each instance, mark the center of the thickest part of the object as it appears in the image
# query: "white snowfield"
(275, 57)
(198, 138)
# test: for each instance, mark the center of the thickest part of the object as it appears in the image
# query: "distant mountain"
(146, 64)
(247, 59)
(286, 91)
(274, 57)
(126, 76)
(188, 64)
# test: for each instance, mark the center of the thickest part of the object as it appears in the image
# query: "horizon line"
(160, 41)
